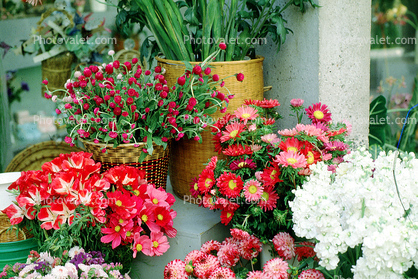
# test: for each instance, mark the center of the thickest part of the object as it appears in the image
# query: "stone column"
(327, 59)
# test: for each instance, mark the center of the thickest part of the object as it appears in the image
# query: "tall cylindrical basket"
(57, 70)
(189, 156)
(155, 165)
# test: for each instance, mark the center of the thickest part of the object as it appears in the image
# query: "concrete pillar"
(327, 59)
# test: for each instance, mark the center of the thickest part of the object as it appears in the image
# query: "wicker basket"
(57, 70)
(155, 166)
(189, 156)
(7, 235)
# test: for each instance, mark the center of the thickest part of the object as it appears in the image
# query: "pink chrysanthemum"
(205, 266)
(210, 247)
(296, 102)
(276, 269)
(318, 113)
(270, 138)
(256, 275)
(284, 244)
(175, 270)
(194, 256)
(239, 234)
(233, 131)
(311, 274)
(230, 184)
(348, 126)
(335, 145)
(212, 162)
(228, 254)
(290, 158)
(222, 273)
(208, 201)
(312, 131)
(237, 150)
(268, 199)
(206, 181)
(253, 190)
(242, 163)
(250, 247)
(288, 133)
(246, 113)
(322, 126)
(256, 147)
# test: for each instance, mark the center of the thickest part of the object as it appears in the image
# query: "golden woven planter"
(155, 166)
(57, 70)
(189, 156)
(10, 235)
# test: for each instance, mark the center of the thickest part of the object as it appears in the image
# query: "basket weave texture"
(189, 156)
(155, 166)
(57, 70)
(7, 235)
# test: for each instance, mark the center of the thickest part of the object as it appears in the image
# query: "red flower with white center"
(48, 218)
(318, 113)
(230, 184)
(268, 200)
(284, 244)
(210, 247)
(159, 244)
(246, 113)
(311, 274)
(16, 214)
(236, 150)
(35, 196)
(271, 176)
(291, 144)
(205, 266)
(276, 269)
(142, 243)
(228, 254)
(242, 163)
(250, 247)
(65, 183)
(269, 103)
(233, 131)
(112, 233)
(206, 181)
(290, 158)
(253, 190)
(208, 202)
(305, 250)
(65, 211)
(175, 270)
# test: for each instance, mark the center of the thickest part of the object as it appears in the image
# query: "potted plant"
(69, 203)
(121, 107)
(254, 185)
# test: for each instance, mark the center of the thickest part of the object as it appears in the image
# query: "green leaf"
(210, 110)
(378, 121)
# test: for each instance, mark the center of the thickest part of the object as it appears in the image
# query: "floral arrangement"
(13, 93)
(236, 257)
(122, 103)
(75, 263)
(253, 185)
(69, 203)
(61, 31)
(364, 216)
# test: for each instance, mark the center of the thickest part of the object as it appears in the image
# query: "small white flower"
(111, 52)
(119, 76)
(77, 74)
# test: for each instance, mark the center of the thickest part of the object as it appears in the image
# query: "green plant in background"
(190, 30)
(389, 116)
(13, 92)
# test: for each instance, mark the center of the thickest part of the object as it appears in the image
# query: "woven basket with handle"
(155, 166)
(189, 156)
(9, 235)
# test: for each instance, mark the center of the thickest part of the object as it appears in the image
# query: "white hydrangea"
(359, 205)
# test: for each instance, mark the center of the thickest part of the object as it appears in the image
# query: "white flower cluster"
(361, 206)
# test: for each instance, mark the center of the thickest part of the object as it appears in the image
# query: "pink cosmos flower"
(296, 103)
(290, 158)
(157, 197)
(142, 243)
(253, 190)
(284, 244)
(159, 244)
(276, 269)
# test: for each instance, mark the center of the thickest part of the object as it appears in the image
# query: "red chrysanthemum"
(230, 184)
(311, 274)
(194, 187)
(205, 266)
(250, 247)
(210, 247)
(269, 103)
(208, 201)
(251, 102)
(305, 250)
(222, 273)
(268, 199)
(175, 270)
(256, 275)
(228, 212)
(242, 163)
(233, 131)
(318, 113)
(206, 181)
(291, 144)
(228, 254)
(271, 176)
(284, 244)
(236, 150)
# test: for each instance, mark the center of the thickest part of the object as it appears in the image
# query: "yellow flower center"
(228, 214)
(138, 247)
(128, 234)
(241, 165)
(208, 182)
(154, 201)
(245, 115)
(136, 192)
(272, 174)
(121, 221)
(118, 203)
(160, 217)
(292, 148)
(311, 158)
(117, 228)
(291, 161)
(155, 244)
(232, 184)
(252, 189)
(144, 218)
(265, 196)
(195, 187)
(318, 114)
(233, 134)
